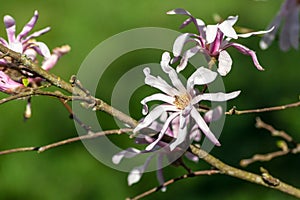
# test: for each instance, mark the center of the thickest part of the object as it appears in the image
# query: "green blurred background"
(70, 172)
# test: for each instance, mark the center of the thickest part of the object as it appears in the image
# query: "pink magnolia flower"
(179, 101)
(24, 43)
(8, 85)
(289, 36)
(212, 41)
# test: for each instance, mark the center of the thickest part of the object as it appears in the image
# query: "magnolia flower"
(289, 36)
(24, 43)
(212, 41)
(179, 101)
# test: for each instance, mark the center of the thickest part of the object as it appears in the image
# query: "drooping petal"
(10, 25)
(29, 26)
(203, 126)
(246, 51)
(214, 114)
(219, 96)
(163, 130)
(224, 64)
(136, 173)
(128, 153)
(159, 83)
(179, 43)
(186, 56)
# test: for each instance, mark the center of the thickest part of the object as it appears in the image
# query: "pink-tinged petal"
(29, 26)
(195, 133)
(201, 76)
(245, 35)
(162, 132)
(10, 25)
(191, 156)
(179, 11)
(128, 153)
(182, 136)
(293, 23)
(30, 53)
(227, 29)
(158, 83)
(211, 33)
(224, 64)
(203, 126)
(219, 96)
(136, 173)
(157, 96)
(179, 43)
(246, 51)
(186, 22)
(268, 38)
(214, 114)
(3, 41)
(186, 56)
(57, 53)
(8, 85)
(165, 60)
(214, 47)
(36, 34)
(42, 49)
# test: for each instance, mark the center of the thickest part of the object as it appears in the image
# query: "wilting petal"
(219, 96)
(246, 51)
(203, 126)
(10, 25)
(225, 62)
(128, 153)
(29, 26)
(214, 114)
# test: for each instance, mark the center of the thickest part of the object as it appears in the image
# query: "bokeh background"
(70, 172)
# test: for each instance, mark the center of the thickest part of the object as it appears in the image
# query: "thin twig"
(66, 141)
(169, 182)
(244, 175)
(234, 111)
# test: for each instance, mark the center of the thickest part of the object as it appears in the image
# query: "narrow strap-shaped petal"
(165, 60)
(157, 96)
(245, 35)
(218, 97)
(127, 153)
(159, 172)
(163, 130)
(41, 48)
(246, 51)
(29, 26)
(182, 136)
(136, 173)
(203, 126)
(10, 25)
(159, 83)
(3, 41)
(36, 34)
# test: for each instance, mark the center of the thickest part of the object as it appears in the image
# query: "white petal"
(186, 56)
(245, 35)
(201, 76)
(225, 63)
(158, 96)
(44, 49)
(128, 153)
(228, 30)
(211, 33)
(182, 133)
(219, 96)
(179, 43)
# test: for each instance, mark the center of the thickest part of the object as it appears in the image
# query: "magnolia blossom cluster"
(289, 36)
(177, 120)
(26, 44)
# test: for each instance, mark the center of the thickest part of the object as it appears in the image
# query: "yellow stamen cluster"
(182, 101)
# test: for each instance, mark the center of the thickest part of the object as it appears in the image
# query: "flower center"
(181, 101)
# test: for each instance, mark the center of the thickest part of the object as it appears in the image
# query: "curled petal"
(42, 49)
(179, 43)
(225, 63)
(186, 56)
(201, 76)
(128, 153)
(157, 96)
